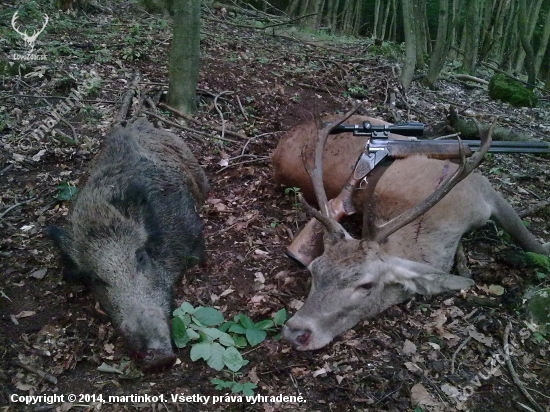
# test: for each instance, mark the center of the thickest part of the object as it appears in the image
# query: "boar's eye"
(366, 286)
(142, 258)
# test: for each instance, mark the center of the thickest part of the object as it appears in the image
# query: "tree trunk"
(183, 67)
(419, 33)
(471, 35)
(410, 44)
(385, 21)
(526, 44)
(377, 8)
(393, 24)
(531, 19)
(543, 44)
(441, 45)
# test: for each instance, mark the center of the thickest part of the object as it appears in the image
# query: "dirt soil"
(414, 356)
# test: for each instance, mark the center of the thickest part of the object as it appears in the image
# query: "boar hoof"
(156, 360)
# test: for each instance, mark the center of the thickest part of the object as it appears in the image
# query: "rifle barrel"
(496, 146)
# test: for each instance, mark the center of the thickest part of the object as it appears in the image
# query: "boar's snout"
(299, 338)
(148, 338)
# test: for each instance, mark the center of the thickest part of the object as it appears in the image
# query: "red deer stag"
(417, 215)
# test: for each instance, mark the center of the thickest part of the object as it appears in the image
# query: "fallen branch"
(187, 129)
(469, 78)
(127, 101)
(189, 118)
(513, 372)
(456, 352)
(531, 210)
(36, 371)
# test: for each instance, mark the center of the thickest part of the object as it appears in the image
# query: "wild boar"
(133, 230)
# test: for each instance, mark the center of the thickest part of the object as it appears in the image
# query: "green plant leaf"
(208, 316)
(254, 336)
(202, 350)
(224, 327)
(280, 317)
(216, 360)
(192, 334)
(264, 324)
(66, 191)
(244, 320)
(185, 308)
(240, 341)
(237, 329)
(248, 388)
(221, 384)
(233, 359)
(179, 332)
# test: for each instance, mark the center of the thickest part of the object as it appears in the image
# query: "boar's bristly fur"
(133, 230)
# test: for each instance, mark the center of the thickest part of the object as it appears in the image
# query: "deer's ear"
(423, 279)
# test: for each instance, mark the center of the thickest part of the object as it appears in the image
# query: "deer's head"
(355, 279)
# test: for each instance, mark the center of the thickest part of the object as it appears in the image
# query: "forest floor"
(414, 356)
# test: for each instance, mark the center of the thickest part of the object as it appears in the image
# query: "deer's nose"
(297, 337)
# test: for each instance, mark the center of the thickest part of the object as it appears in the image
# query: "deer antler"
(26, 38)
(382, 232)
(316, 175)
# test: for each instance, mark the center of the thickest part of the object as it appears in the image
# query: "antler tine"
(13, 21)
(316, 175)
(465, 168)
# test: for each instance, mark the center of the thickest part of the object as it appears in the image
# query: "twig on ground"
(513, 372)
(241, 107)
(531, 210)
(448, 136)
(258, 159)
(186, 117)
(219, 110)
(187, 129)
(127, 101)
(37, 371)
(456, 352)
(9, 209)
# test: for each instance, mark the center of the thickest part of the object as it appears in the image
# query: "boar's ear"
(424, 279)
(63, 240)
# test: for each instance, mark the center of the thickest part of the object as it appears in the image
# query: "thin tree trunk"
(410, 44)
(531, 19)
(419, 33)
(441, 45)
(471, 35)
(526, 44)
(393, 25)
(377, 7)
(386, 18)
(183, 67)
(543, 44)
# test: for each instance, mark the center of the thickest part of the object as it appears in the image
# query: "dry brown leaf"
(408, 347)
(421, 397)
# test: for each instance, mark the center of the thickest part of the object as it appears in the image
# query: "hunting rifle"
(308, 243)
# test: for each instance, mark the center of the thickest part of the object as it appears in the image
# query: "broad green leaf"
(280, 317)
(192, 334)
(179, 332)
(226, 340)
(248, 388)
(212, 333)
(221, 384)
(245, 321)
(240, 341)
(66, 191)
(233, 359)
(201, 350)
(208, 316)
(237, 329)
(224, 327)
(264, 324)
(185, 308)
(216, 359)
(254, 336)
